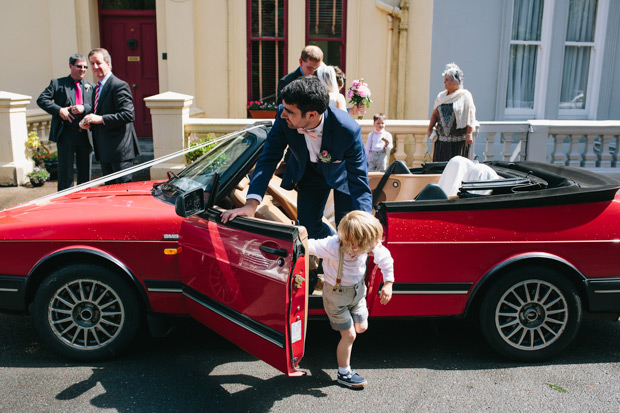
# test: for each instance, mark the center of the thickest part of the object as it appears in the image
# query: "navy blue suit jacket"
(342, 139)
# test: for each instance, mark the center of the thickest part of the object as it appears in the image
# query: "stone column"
(14, 162)
(169, 112)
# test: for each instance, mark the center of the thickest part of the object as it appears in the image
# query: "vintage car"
(528, 260)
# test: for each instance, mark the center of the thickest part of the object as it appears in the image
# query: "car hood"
(113, 212)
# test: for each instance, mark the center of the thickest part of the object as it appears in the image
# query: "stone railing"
(586, 144)
(40, 121)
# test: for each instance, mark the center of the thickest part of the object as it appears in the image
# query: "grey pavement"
(15, 195)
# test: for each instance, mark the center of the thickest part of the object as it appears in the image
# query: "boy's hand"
(386, 292)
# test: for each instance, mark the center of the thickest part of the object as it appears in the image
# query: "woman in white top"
(327, 76)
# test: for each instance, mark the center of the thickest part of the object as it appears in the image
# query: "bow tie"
(312, 133)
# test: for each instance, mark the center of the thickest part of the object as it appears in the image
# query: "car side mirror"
(190, 203)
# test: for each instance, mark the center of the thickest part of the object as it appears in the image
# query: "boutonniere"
(324, 156)
(87, 87)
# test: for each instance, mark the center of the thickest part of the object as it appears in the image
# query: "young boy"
(344, 291)
(378, 145)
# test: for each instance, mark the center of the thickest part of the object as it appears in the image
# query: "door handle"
(274, 251)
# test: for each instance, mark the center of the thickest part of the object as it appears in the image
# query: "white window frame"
(542, 66)
(596, 66)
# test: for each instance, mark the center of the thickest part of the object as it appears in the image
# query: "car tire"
(86, 312)
(530, 314)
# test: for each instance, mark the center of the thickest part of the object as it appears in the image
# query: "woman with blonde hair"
(327, 76)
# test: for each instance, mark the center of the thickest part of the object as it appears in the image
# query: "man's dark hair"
(308, 93)
(76, 58)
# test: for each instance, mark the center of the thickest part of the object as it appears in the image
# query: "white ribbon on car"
(131, 170)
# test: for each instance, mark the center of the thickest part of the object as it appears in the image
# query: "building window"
(267, 35)
(326, 28)
(525, 44)
(127, 4)
(565, 85)
(578, 54)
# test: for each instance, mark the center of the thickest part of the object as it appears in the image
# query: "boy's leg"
(345, 346)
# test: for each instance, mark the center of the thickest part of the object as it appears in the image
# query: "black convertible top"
(535, 184)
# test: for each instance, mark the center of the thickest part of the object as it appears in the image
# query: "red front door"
(131, 39)
(247, 282)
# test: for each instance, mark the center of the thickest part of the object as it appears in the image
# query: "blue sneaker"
(352, 380)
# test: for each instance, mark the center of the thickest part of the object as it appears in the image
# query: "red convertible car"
(529, 260)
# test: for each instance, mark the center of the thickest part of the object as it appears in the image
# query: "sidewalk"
(15, 195)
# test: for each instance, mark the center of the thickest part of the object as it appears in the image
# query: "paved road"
(410, 365)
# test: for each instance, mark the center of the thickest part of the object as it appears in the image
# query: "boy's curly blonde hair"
(359, 229)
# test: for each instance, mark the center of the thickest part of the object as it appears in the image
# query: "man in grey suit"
(67, 99)
(114, 137)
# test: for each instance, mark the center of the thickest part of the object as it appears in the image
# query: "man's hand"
(65, 114)
(386, 292)
(92, 118)
(248, 210)
(77, 109)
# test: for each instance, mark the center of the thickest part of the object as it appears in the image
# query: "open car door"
(246, 281)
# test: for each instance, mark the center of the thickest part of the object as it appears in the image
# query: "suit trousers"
(312, 194)
(73, 145)
(108, 168)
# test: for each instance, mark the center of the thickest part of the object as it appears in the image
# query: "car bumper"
(12, 293)
(604, 295)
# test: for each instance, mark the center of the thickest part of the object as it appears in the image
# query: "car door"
(246, 281)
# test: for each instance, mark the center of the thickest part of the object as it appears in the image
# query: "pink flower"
(324, 152)
(363, 91)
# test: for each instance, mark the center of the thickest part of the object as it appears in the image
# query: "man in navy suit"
(114, 137)
(67, 99)
(309, 61)
(327, 152)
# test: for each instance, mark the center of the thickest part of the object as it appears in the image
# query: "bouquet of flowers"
(259, 105)
(359, 93)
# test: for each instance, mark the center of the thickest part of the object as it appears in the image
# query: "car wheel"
(530, 314)
(86, 312)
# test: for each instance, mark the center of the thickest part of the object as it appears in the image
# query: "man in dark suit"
(310, 60)
(327, 152)
(67, 99)
(114, 137)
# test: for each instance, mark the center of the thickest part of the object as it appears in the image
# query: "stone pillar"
(14, 162)
(169, 112)
(537, 141)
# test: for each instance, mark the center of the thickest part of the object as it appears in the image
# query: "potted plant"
(262, 110)
(38, 176)
(41, 155)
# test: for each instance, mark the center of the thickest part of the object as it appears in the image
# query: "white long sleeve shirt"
(353, 268)
(375, 144)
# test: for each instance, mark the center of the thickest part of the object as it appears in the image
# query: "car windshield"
(227, 158)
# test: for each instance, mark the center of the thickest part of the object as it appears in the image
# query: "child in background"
(344, 291)
(378, 145)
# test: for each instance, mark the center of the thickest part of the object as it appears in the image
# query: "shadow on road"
(198, 370)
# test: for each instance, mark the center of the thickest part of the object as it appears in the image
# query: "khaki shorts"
(346, 307)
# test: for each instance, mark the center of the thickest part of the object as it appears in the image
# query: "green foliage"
(556, 388)
(197, 153)
(38, 175)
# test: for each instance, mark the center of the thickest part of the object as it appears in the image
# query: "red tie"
(97, 90)
(78, 93)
